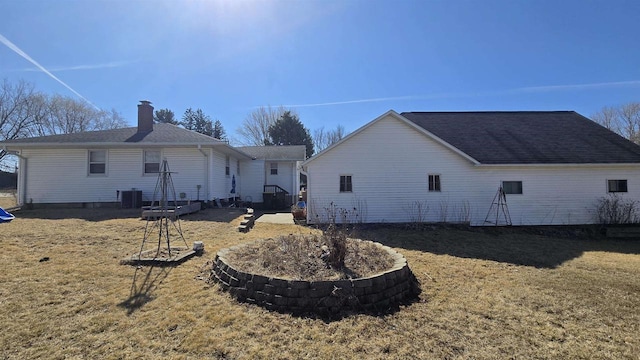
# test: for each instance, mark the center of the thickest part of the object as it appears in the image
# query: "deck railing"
(274, 189)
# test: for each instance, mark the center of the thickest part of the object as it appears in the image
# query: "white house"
(95, 168)
(448, 167)
(277, 166)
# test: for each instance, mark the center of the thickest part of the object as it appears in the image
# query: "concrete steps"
(247, 223)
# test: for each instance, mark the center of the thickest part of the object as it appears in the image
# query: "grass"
(300, 258)
(486, 294)
(6, 200)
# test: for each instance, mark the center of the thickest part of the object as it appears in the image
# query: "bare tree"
(64, 115)
(607, 117)
(109, 120)
(322, 138)
(624, 120)
(16, 113)
(254, 130)
(629, 118)
(25, 112)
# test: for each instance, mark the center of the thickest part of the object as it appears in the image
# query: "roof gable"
(528, 137)
(397, 116)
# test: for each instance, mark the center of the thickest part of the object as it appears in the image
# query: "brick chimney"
(145, 116)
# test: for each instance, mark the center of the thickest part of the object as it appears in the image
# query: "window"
(434, 182)
(274, 168)
(97, 162)
(151, 161)
(345, 183)
(226, 166)
(512, 187)
(617, 186)
(238, 167)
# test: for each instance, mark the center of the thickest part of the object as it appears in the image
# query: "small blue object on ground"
(5, 216)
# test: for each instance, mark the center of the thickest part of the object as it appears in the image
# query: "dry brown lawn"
(7, 200)
(486, 294)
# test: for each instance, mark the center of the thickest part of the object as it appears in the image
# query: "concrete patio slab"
(277, 218)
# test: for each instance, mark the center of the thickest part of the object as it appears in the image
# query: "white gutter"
(206, 174)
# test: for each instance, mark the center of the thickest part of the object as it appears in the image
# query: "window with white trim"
(227, 170)
(512, 187)
(238, 167)
(274, 168)
(346, 184)
(614, 186)
(434, 182)
(152, 161)
(97, 162)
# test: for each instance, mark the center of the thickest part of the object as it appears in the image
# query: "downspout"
(206, 173)
(22, 174)
(305, 173)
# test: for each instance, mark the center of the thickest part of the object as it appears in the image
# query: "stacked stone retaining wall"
(373, 293)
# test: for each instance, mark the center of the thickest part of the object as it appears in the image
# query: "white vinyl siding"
(60, 176)
(554, 195)
(253, 171)
(285, 178)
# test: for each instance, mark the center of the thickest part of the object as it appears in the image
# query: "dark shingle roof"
(528, 137)
(161, 134)
(287, 152)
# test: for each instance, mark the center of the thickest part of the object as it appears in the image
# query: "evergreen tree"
(218, 131)
(288, 130)
(197, 121)
(165, 116)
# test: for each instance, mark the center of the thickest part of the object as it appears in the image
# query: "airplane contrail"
(18, 51)
(480, 93)
(112, 64)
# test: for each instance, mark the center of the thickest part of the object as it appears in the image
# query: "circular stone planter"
(377, 293)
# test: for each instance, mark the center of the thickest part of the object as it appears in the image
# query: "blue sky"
(335, 62)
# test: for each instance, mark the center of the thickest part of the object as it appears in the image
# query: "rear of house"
(120, 167)
(274, 172)
(448, 167)
(96, 168)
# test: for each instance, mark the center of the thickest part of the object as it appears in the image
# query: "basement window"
(434, 182)
(512, 187)
(345, 183)
(274, 168)
(97, 162)
(151, 161)
(614, 186)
